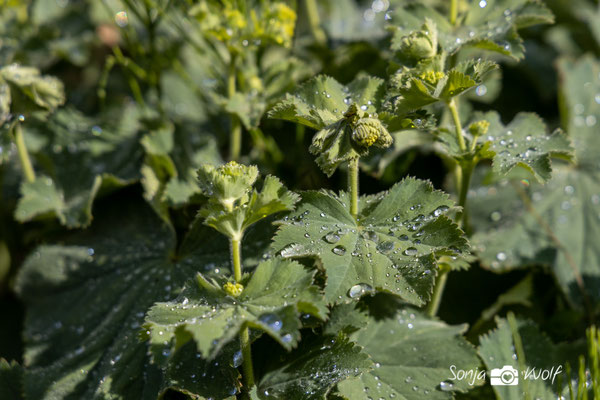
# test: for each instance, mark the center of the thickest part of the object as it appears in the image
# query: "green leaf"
(234, 205)
(248, 108)
(489, 24)
(393, 247)
(79, 160)
(427, 83)
(345, 318)
(11, 380)
(346, 117)
(30, 90)
(557, 224)
(86, 301)
(271, 301)
(524, 142)
(412, 355)
(311, 371)
(499, 348)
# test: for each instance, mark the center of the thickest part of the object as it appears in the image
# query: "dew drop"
(440, 210)
(411, 251)
(332, 237)
(339, 250)
(446, 386)
(272, 321)
(358, 290)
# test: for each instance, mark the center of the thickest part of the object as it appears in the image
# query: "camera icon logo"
(505, 376)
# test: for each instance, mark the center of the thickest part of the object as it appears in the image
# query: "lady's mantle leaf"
(557, 224)
(272, 299)
(11, 377)
(322, 101)
(523, 142)
(346, 117)
(31, 91)
(80, 158)
(412, 355)
(488, 24)
(86, 302)
(310, 371)
(497, 349)
(392, 248)
(427, 83)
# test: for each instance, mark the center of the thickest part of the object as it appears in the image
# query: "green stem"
(353, 186)
(235, 140)
(457, 126)
(462, 175)
(467, 172)
(453, 11)
(312, 12)
(438, 291)
(248, 369)
(247, 358)
(236, 260)
(23, 153)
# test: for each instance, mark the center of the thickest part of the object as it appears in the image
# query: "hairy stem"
(466, 172)
(353, 186)
(248, 369)
(457, 126)
(314, 21)
(236, 259)
(453, 11)
(438, 290)
(23, 153)
(247, 358)
(462, 176)
(235, 139)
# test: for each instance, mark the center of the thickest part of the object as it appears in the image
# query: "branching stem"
(353, 186)
(23, 153)
(463, 172)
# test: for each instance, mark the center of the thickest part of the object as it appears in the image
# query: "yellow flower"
(432, 76)
(479, 128)
(233, 289)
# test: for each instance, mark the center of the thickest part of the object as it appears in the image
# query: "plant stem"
(312, 12)
(462, 175)
(457, 126)
(235, 139)
(23, 153)
(438, 290)
(247, 358)
(236, 258)
(453, 11)
(467, 172)
(353, 186)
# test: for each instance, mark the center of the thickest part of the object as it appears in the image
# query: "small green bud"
(479, 128)
(421, 44)
(432, 77)
(227, 183)
(233, 289)
(368, 132)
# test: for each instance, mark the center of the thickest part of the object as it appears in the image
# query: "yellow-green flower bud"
(368, 132)
(432, 77)
(227, 183)
(233, 289)
(421, 44)
(479, 128)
